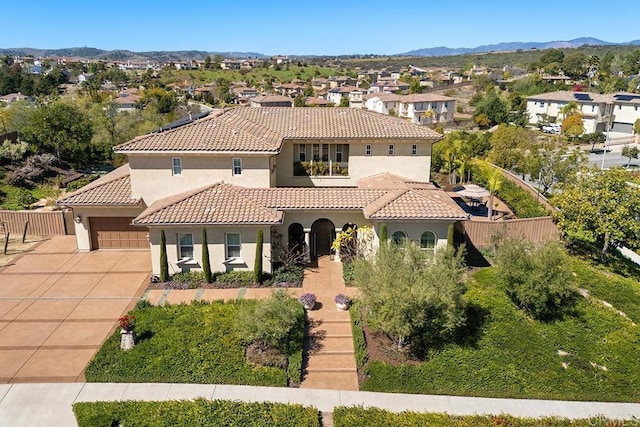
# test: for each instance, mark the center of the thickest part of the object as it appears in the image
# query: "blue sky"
(308, 27)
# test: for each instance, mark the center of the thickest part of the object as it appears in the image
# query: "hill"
(123, 55)
(513, 46)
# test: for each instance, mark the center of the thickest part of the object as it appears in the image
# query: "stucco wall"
(83, 233)
(402, 163)
(414, 230)
(216, 244)
(152, 179)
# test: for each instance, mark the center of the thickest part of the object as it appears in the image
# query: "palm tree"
(494, 182)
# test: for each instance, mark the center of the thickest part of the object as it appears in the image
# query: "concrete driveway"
(57, 306)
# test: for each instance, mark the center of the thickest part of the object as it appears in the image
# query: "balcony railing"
(316, 168)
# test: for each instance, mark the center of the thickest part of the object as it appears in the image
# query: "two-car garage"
(117, 233)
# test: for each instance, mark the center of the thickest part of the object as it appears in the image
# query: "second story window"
(237, 166)
(414, 150)
(176, 166)
(367, 150)
(392, 149)
(339, 151)
(302, 152)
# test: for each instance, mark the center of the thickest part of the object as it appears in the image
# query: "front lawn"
(515, 356)
(373, 417)
(199, 412)
(194, 343)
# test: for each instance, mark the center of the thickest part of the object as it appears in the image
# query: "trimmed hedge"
(199, 412)
(374, 417)
(194, 343)
(359, 341)
(520, 201)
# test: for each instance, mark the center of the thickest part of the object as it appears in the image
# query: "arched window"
(428, 240)
(399, 237)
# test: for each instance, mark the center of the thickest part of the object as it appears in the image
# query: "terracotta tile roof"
(262, 130)
(112, 189)
(386, 180)
(328, 123)
(215, 204)
(228, 204)
(416, 204)
(312, 197)
(207, 134)
(567, 95)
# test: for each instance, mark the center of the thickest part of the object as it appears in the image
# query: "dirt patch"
(218, 285)
(16, 248)
(381, 347)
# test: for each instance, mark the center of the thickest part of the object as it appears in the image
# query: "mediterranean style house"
(301, 175)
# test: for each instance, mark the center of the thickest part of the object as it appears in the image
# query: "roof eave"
(182, 152)
(180, 224)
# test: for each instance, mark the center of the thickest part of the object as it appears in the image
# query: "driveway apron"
(57, 306)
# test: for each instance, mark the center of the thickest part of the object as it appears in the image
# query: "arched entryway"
(323, 233)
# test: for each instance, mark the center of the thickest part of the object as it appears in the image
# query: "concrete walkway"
(329, 361)
(50, 404)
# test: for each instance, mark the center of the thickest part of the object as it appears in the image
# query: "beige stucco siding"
(216, 243)
(414, 230)
(402, 163)
(83, 233)
(152, 177)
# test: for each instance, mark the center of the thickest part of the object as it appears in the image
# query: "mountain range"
(513, 46)
(166, 56)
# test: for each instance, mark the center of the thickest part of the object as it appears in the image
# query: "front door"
(322, 235)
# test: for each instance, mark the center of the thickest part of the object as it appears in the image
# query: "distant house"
(271, 101)
(546, 107)
(126, 101)
(352, 93)
(244, 92)
(424, 108)
(12, 97)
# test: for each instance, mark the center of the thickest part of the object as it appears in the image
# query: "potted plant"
(308, 300)
(127, 336)
(342, 301)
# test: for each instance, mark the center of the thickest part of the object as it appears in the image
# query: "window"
(414, 150)
(237, 166)
(185, 246)
(316, 152)
(325, 152)
(428, 240)
(176, 166)
(392, 149)
(542, 104)
(339, 153)
(233, 245)
(302, 152)
(367, 150)
(399, 237)
(593, 108)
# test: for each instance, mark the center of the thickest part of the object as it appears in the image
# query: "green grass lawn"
(516, 356)
(185, 344)
(373, 417)
(199, 412)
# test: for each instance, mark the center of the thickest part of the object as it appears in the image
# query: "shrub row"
(347, 272)
(199, 412)
(374, 417)
(521, 202)
(359, 341)
(282, 277)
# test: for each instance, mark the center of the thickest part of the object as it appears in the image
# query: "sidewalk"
(50, 404)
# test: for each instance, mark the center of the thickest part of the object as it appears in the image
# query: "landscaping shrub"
(164, 264)
(193, 343)
(79, 183)
(257, 265)
(189, 277)
(206, 265)
(199, 412)
(359, 341)
(507, 354)
(374, 417)
(235, 277)
(347, 272)
(288, 274)
(16, 198)
(537, 279)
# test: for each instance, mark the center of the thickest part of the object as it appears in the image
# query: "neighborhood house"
(301, 175)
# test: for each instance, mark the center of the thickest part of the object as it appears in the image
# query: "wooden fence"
(535, 230)
(42, 223)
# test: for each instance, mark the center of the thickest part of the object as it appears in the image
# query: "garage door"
(117, 233)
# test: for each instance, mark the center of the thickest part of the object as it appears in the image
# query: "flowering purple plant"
(307, 299)
(342, 299)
